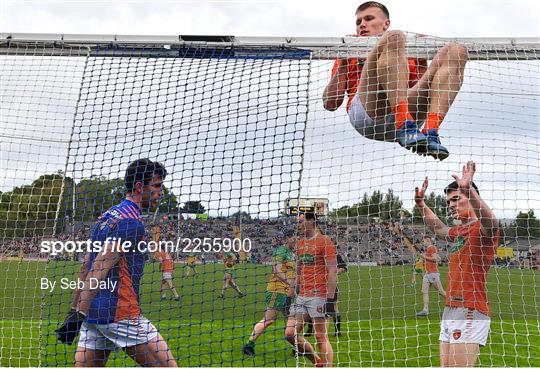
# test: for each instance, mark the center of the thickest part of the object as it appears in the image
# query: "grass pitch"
(377, 304)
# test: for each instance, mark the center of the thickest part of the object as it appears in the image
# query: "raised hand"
(420, 193)
(467, 175)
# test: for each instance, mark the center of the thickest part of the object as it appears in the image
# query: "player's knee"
(321, 336)
(290, 334)
(457, 53)
(392, 39)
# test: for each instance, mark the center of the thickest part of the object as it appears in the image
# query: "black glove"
(288, 303)
(71, 327)
(329, 307)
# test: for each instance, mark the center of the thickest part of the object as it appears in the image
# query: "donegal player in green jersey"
(229, 277)
(418, 268)
(189, 267)
(279, 291)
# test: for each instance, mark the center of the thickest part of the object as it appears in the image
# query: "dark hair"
(373, 4)
(309, 215)
(455, 187)
(289, 233)
(142, 170)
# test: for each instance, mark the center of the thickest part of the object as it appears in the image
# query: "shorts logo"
(320, 309)
(456, 334)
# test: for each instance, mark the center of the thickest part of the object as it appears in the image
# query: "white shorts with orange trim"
(463, 325)
(432, 277)
(125, 333)
(380, 129)
(312, 306)
(167, 276)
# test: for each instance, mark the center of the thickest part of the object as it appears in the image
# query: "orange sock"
(401, 111)
(433, 121)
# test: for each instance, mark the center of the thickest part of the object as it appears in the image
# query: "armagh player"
(432, 276)
(229, 276)
(166, 264)
(109, 319)
(279, 291)
(167, 269)
(465, 321)
(388, 94)
(316, 280)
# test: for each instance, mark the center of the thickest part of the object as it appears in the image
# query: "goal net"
(242, 130)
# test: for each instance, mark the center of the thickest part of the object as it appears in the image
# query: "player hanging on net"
(465, 321)
(316, 280)
(189, 268)
(111, 318)
(279, 290)
(431, 276)
(229, 276)
(390, 95)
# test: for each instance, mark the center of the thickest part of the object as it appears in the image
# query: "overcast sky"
(338, 163)
(459, 18)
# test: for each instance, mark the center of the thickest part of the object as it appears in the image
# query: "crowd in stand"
(374, 242)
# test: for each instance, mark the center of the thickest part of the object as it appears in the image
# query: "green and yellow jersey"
(419, 264)
(191, 259)
(229, 261)
(284, 256)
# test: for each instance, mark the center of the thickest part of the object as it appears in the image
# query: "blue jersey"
(121, 222)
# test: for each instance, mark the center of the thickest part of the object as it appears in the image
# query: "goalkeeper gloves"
(71, 327)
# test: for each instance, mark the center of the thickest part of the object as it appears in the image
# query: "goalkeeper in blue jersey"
(111, 318)
(279, 291)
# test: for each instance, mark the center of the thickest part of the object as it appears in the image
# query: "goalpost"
(239, 124)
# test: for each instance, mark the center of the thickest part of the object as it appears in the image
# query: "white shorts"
(167, 276)
(381, 129)
(313, 306)
(463, 325)
(125, 333)
(432, 278)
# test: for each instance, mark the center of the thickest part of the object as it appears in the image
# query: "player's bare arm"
(489, 222)
(431, 220)
(83, 273)
(279, 273)
(102, 265)
(334, 92)
(331, 272)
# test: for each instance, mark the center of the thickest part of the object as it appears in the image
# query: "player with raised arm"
(418, 267)
(316, 280)
(229, 276)
(279, 291)
(466, 317)
(109, 319)
(388, 94)
(431, 276)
